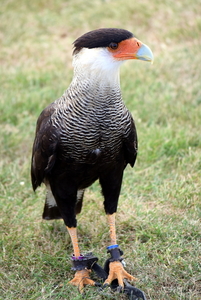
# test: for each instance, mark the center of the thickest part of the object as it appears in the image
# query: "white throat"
(97, 66)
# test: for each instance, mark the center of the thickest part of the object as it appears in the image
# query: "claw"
(117, 272)
(81, 279)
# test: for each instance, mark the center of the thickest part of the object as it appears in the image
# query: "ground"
(158, 221)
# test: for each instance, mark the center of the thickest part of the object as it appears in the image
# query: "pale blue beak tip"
(145, 53)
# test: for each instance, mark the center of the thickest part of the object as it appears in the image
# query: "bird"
(86, 135)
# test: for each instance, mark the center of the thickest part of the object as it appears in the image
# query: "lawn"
(158, 220)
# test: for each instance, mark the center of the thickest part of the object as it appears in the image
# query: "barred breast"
(91, 124)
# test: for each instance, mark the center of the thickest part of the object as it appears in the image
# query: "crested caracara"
(86, 135)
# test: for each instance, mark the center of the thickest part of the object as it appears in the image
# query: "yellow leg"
(111, 222)
(81, 277)
(116, 268)
(73, 234)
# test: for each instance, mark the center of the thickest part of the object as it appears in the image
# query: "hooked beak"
(144, 53)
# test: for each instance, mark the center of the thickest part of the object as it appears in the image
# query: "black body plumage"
(85, 135)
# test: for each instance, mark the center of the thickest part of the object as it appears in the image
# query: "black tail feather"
(51, 213)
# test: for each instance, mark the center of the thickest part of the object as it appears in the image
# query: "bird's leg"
(82, 272)
(73, 234)
(111, 222)
(116, 269)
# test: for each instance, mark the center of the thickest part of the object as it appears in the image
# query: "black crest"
(101, 38)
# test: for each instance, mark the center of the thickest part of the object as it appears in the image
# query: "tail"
(78, 207)
(51, 211)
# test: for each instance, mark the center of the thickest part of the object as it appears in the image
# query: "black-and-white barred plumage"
(90, 124)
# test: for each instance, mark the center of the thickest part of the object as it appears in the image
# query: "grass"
(158, 221)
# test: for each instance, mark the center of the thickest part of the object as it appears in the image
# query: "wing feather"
(130, 144)
(45, 145)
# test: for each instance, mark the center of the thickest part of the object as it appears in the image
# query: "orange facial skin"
(126, 49)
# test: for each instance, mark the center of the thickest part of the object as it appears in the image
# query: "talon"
(117, 272)
(81, 279)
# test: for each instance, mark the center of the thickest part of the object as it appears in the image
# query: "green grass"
(158, 220)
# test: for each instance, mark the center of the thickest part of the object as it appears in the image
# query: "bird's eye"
(113, 46)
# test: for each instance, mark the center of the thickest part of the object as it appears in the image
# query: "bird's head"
(104, 50)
